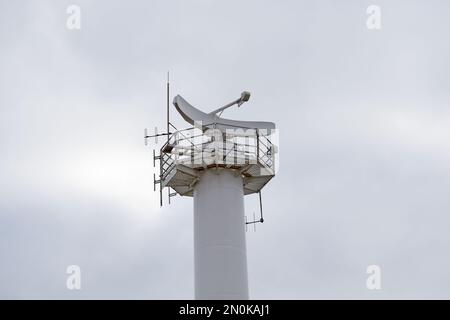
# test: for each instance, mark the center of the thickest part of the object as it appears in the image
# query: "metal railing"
(196, 149)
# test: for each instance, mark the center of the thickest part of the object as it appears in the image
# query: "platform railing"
(196, 149)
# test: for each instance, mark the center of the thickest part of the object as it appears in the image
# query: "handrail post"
(257, 146)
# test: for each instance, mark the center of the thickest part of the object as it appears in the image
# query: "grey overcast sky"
(364, 120)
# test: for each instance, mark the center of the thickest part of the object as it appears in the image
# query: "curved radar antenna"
(195, 116)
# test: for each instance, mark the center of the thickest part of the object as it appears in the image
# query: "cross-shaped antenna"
(254, 222)
(260, 220)
(156, 135)
(155, 157)
(171, 194)
(167, 133)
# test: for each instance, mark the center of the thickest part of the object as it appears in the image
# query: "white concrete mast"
(219, 236)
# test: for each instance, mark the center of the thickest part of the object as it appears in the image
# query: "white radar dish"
(211, 120)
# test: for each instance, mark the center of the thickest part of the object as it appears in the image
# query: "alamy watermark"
(373, 282)
(74, 19)
(73, 281)
(374, 19)
(222, 146)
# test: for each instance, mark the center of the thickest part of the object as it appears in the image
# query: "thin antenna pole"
(168, 92)
(260, 206)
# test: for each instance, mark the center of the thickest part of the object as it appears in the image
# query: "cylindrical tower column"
(219, 236)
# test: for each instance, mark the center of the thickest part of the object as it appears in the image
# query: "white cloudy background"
(364, 121)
